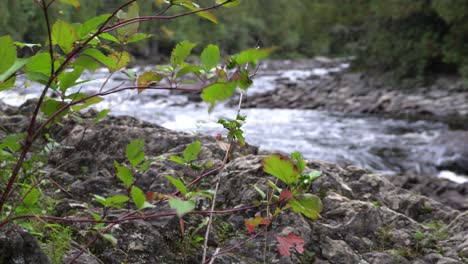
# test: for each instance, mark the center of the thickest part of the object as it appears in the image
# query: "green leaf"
(210, 56)
(101, 115)
(92, 25)
(8, 84)
(138, 37)
(178, 184)
(64, 35)
(87, 63)
(7, 53)
(32, 197)
(218, 92)
(124, 174)
(39, 63)
(12, 142)
(100, 199)
(51, 106)
(148, 78)
(299, 160)
(252, 56)
(181, 52)
(110, 238)
(244, 81)
(145, 166)
(116, 200)
(181, 207)
(191, 151)
(19, 63)
(177, 159)
(68, 79)
(135, 152)
(186, 69)
(308, 205)
(109, 37)
(138, 197)
(129, 30)
(281, 167)
(99, 56)
(74, 3)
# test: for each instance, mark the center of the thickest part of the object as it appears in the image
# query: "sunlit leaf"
(210, 56)
(7, 54)
(124, 174)
(308, 205)
(121, 60)
(178, 184)
(92, 25)
(135, 151)
(87, 103)
(281, 167)
(148, 78)
(138, 197)
(252, 55)
(232, 3)
(116, 200)
(218, 92)
(300, 163)
(101, 115)
(68, 79)
(181, 207)
(100, 57)
(177, 159)
(191, 151)
(32, 197)
(110, 238)
(138, 37)
(64, 35)
(181, 52)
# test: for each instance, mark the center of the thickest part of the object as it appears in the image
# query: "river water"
(379, 144)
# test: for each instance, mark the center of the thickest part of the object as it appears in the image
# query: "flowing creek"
(380, 144)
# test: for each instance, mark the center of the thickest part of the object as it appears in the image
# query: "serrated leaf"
(138, 197)
(218, 92)
(148, 78)
(281, 167)
(191, 151)
(110, 238)
(92, 25)
(178, 184)
(308, 205)
(100, 57)
(290, 241)
(64, 35)
(32, 197)
(299, 160)
(182, 207)
(87, 63)
(39, 63)
(121, 60)
(251, 224)
(210, 56)
(7, 54)
(135, 151)
(181, 52)
(124, 174)
(74, 3)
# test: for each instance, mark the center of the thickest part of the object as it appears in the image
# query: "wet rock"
(454, 156)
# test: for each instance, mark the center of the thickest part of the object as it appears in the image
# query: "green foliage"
(182, 207)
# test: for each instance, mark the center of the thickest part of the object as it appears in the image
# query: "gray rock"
(17, 246)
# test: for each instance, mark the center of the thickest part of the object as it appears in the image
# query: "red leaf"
(285, 243)
(251, 224)
(150, 196)
(286, 194)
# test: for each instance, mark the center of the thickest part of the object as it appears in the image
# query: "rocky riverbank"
(365, 219)
(358, 93)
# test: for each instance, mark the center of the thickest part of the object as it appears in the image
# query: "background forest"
(412, 39)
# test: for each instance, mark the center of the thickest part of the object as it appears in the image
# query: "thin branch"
(159, 17)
